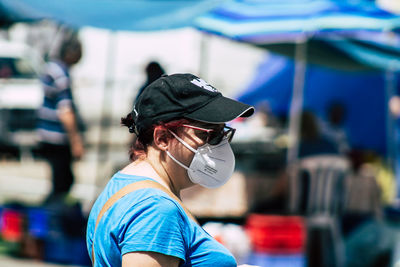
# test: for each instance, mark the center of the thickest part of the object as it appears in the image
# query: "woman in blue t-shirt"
(182, 140)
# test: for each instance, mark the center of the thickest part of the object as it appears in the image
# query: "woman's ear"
(161, 137)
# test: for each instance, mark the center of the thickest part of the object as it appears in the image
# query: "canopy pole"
(203, 59)
(106, 114)
(390, 90)
(296, 104)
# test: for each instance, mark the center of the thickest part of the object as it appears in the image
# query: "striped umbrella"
(363, 34)
(346, 35)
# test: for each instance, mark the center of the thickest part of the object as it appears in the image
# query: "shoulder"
(153, 222)
(139, 205)
(151, 213)
(141, 194)
(55, 70)
(152, 201)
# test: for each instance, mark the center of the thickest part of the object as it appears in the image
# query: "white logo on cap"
(203, 84)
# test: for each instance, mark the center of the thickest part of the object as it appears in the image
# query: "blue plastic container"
(268, 260)
(38, 222)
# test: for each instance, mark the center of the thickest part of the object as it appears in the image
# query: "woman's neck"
(146, 168)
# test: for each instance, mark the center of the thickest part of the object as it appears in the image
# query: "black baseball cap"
(185, 96)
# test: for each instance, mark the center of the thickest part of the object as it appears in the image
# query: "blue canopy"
(336, 30)
(362, 93)
(341, 35)
(277, 21)
(356, 29)
(137, 15)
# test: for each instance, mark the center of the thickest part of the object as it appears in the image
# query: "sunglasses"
(214, 137)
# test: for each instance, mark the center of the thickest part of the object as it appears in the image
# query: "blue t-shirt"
(149, 220)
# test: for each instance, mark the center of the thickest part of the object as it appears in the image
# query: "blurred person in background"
(312, 142)
(363, 194)
(153, 72)
(59, 124)
(182, 140)
(370, 191)
(333, 128)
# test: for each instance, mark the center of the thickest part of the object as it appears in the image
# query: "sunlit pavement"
(28, 182)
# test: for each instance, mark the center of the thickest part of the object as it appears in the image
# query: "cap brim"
(221, 110)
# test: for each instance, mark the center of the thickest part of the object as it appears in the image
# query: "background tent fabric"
(138, 15)
(346, 35)
(363, 94)
(341, 34)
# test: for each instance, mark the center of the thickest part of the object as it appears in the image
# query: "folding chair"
(317, 192)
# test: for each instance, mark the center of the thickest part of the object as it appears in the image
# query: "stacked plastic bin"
(277, 241)
(38, 233)
(11, 230)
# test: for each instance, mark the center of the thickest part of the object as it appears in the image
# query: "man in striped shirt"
(58, 130)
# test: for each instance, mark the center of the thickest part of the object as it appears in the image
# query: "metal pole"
(203, 60)
(392, 128)
(106, 114)
(296, 105)
(390, 90)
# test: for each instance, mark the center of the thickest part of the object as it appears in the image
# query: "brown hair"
(144, 138)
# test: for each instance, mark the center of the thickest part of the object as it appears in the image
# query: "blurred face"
(73, 54)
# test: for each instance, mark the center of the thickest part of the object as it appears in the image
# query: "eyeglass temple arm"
(197, 128)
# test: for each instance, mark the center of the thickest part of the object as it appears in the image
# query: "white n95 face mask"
(211, 166)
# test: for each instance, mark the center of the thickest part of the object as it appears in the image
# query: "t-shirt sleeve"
(155, 224)
(56, 85)
(64, 98)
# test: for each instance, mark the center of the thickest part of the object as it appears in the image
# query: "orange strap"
(129, 189)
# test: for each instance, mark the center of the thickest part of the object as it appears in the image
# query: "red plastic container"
(11, 225)
(276, 234)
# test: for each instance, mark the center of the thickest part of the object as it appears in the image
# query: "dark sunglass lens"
(215, 137)
(230, 133)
